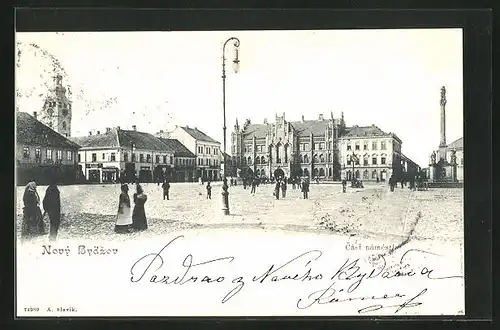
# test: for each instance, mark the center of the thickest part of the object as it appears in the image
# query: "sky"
(156, 80)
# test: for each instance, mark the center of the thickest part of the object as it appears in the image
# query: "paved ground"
(437, 214)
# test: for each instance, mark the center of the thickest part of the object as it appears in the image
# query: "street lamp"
(354, 158)
(236, 66)
(132, 159)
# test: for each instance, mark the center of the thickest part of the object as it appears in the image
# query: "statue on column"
(433, 158)
(453, 158)
(443, 96)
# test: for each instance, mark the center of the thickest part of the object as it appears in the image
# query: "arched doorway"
(278, 173)
(306, 172)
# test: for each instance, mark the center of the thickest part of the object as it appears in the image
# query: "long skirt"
(123, 220)
(139, 218)
(32, 224)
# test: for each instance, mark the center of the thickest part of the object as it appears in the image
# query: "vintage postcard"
(240, 173)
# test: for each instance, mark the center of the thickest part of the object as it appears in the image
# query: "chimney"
(108, 129)
(34, 114)
(98, 132)
(161, 131)
(320, 116)
(90, 133)
(303, 118)
(134, 127)
(265, 121)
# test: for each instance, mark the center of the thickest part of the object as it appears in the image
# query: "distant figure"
(124, 216)
(32, 224)
(200, 181)
(378, 180)
(244, 183)
(294, 180)
(139, 213)
(209, 190)
(277, 189)
(317, 180)
(344, 185)
(283, 188)
(254, 185)
(166, 189)
(52, 206)
(392, 183)
(305, 188)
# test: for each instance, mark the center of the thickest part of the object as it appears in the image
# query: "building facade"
(320, 148)
(124, 155)
(42, 153)
(205, 148)
(302, 148)
(184, 169)
(56, 112)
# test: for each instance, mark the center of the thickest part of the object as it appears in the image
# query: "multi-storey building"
(125, 155)
(300, 148)
(56, 112)
(206, 150)
(372, 154)
(42, 153)
(184, 161)
(320, 148)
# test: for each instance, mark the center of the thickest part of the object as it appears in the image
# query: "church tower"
(56, 112)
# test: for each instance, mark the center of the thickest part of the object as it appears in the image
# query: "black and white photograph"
(240, 173)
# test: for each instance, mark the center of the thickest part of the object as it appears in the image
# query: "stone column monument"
(442, 141)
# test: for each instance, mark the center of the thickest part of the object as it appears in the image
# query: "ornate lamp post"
(354, 158)
(132, 159)
(236, 63)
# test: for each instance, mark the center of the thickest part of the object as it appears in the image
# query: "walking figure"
(392, 183)
(32, 224)
(209, 190)
(305, 188)
(139, 221)
(124, 216)
(166, 188)
(283, 188)
(52, 206)
(344, 185)
(277, 189)
(254, 184)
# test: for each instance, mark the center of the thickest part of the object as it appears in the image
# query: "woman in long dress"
(139, 214)
(32, 224)
(123, 218)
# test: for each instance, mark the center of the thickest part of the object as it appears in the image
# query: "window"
(113, 157)
(461, 161)
(374, 175)
(348, 161)
(365, 145)
(349, 146)
(306, 159)
(321, 146)
(94, 157)
(374, 160)
(374, 145)
(215, 151)
(38, 153)
(148, 158)
(382, 160)
(321, 172)
(357, 160)
(257, 160)
(356, 147)
(200, 149)
(321, 158)
(133, 157)
(262, 160)
(79, 158)
(249, 160)
(206, 161)
(382, 145)
(366, 175)
(329, 157)
(207, 150)
(365, 161)
(103, 156)
(157, 160)
(164, 159)
(59, 155)
(125, 156)
(69, 155)
(316, 146)
(315, 158)
(26, 152)
(141, 158)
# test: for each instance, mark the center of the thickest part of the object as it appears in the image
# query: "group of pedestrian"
(281, 186)
(128, 220)
(33, 224)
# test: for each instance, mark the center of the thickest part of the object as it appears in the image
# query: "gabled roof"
(316, 127)
(198, 135)
(116, 138)
(457, 144)
(361, 131)
(179, 149)
(33, 132)
(257, 130)
(106, 140)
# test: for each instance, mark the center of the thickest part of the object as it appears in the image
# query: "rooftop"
(198, 135)
(360, 131)
(32, 131)
(179, 149)
(457, 144)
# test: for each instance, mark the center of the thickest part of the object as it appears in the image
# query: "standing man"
(166, 188)
(209, 190)
(344, 185)
(254, 184)
(305, 188)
